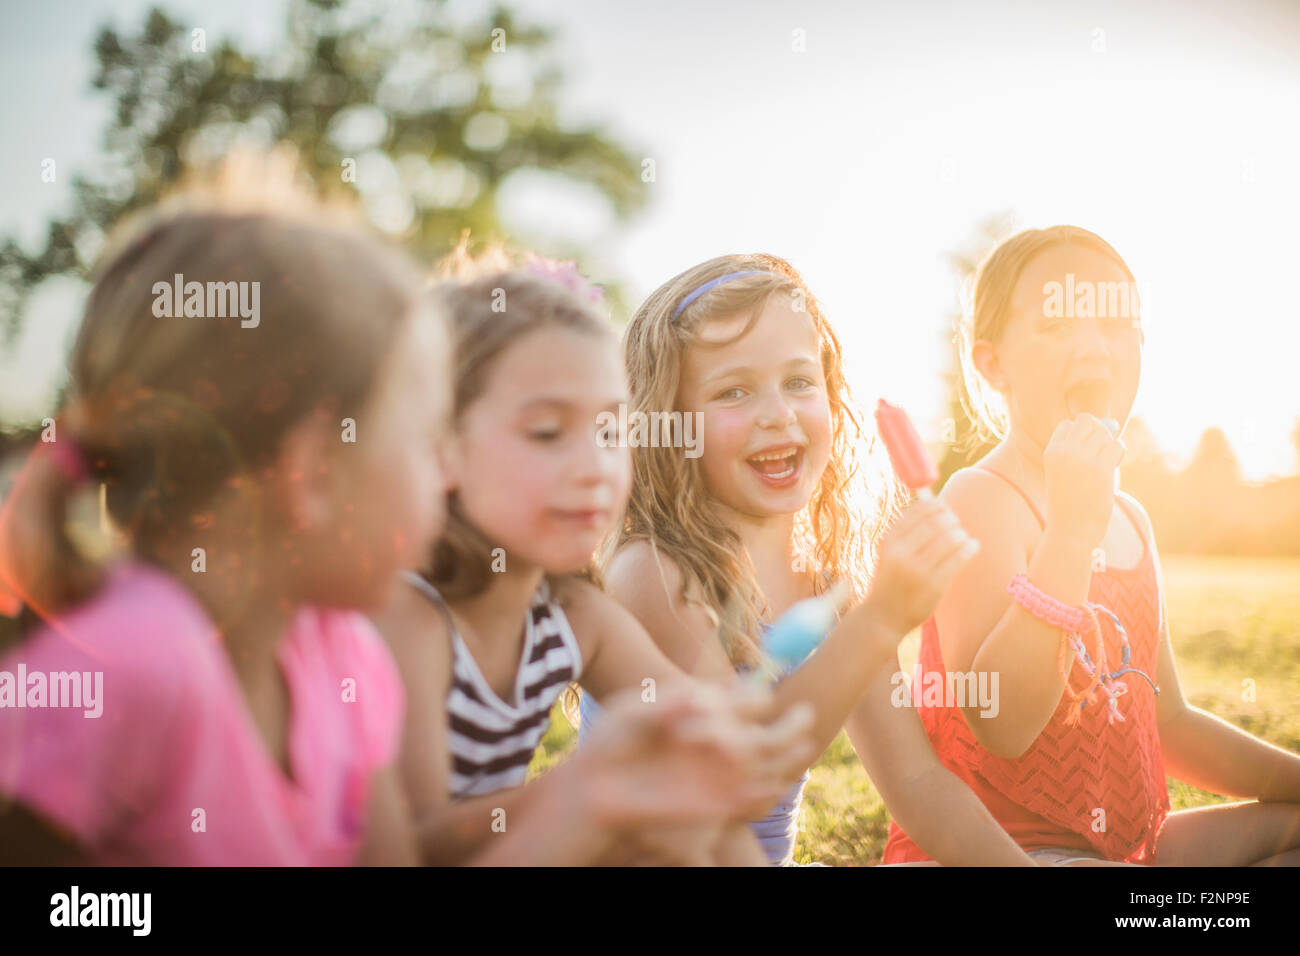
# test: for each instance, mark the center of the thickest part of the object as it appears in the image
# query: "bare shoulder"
(639, 572)
(648, 583)
(416, 632)
(594, 616)
(1143, 518)
(988, 507)
(582, 601)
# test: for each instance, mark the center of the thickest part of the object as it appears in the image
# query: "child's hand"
(698, 754)
(1080, 462)
(919, 556)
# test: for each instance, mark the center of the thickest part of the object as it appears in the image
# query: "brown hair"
(984, 316)
(167, 410)
(490, 307)
(670, 506)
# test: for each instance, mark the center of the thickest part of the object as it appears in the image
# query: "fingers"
(922, 522)
(1094, 436)
(932, 540)
(785, 745)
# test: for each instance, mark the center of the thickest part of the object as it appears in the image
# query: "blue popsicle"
(799, 631)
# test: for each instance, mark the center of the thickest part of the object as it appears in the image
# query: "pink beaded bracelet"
(1078, 622)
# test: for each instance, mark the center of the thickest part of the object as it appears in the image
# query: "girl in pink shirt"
(270, 466)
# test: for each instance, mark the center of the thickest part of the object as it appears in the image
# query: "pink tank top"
(1096, 785)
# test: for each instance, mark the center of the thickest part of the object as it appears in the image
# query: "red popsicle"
(912, 463)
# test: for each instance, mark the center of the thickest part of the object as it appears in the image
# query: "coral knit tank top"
(1094, 786)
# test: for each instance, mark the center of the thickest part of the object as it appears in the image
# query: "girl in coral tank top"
(1063, 603)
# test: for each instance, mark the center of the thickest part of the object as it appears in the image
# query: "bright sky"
(1172, 130)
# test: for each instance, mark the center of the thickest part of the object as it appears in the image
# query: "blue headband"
(699, 291)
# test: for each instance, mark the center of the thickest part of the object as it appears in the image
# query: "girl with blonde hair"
(775, 508)
(1064, 599)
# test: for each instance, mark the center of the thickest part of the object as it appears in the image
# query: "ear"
(302, 479)
(985, 359)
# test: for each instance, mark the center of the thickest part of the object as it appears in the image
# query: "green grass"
(1232, 620)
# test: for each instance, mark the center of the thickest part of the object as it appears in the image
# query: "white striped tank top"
(492, 741)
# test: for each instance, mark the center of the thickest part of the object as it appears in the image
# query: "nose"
(594, 461)
(775, 411)
(1089, 340)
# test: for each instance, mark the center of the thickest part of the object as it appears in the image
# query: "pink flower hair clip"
(566, 273)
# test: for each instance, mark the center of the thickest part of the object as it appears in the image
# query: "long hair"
(670, 506)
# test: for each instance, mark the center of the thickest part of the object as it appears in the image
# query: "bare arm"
(981, 629)
(918, 557)
(389, 836)
(620, 655)
(617, 652)
(447, 832)
(1207, 751)
(936, 809)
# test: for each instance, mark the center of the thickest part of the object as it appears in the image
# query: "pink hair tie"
(566, 274)
(1079, 623)
(68, 457)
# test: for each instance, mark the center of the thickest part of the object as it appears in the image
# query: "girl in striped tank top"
(501, 621)
(491, 740)
(1073, 759)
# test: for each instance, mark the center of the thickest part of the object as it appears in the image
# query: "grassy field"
(1233, 621)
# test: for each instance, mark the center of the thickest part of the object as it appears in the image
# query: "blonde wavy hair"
(984, 314)
(670, 506)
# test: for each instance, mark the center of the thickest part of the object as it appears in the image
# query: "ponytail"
(41, 567)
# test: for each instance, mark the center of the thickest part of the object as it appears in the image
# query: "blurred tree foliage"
(434, 113)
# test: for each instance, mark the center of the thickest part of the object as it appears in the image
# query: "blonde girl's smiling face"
(766, 426)
(1055, 360)
(531, 469)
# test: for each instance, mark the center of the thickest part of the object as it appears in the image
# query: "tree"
(423, 116)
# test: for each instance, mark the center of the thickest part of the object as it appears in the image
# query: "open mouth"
(1091, 396)
(779, 467)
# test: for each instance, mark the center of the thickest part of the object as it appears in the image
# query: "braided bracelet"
(1079, 623)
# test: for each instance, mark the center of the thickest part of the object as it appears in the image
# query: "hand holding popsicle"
(927, 545)
(918, 557)
(1079, 467)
